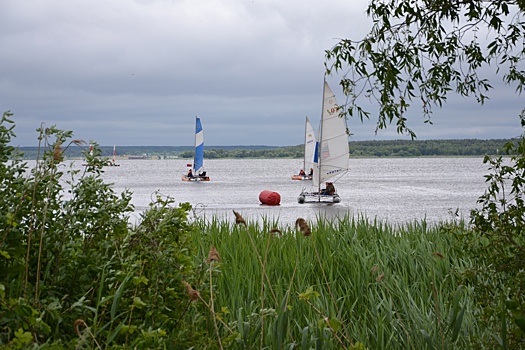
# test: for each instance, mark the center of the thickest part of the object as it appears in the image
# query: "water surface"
(399, 190)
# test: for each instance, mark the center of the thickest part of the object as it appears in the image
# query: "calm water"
(395, 189)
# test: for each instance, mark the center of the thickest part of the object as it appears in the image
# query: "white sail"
(333, 152)
(309, 146)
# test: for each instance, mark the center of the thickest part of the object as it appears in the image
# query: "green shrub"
(74, 272)
(497, 243)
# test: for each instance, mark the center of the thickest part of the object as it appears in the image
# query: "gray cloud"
(138, 72)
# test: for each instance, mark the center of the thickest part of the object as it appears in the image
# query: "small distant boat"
(309, 150)
(332, 153)
(90, 153)
(196, 170)
(113, 162)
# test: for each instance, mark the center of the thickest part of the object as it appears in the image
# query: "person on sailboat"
(330, 189)
(301, 172)
(190, 173)
(311, 173)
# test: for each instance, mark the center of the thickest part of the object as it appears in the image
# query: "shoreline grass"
(352, 283)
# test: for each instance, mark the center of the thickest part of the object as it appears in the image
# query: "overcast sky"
(137, 72)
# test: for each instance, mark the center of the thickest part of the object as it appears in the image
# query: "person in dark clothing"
(330, 189)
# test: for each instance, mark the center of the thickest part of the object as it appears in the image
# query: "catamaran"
(196, 170)
(309, 150)
(332, 153)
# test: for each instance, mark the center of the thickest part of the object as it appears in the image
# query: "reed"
(353, 283)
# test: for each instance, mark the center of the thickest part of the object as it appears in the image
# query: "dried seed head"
(57, 152)
(239, 219)
(213, 255)
(303, 226)
(79, 322)
(438, 254)
(274, 231)
(192, 293)
(380, 278)
(374, 268)
(79, 142)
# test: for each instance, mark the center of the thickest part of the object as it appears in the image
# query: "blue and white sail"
(198, 161)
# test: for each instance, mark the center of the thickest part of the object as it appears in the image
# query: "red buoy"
(270, 197)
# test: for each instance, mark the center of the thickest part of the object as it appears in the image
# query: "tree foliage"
(421, 50)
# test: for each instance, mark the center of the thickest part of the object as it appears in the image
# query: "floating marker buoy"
(270, 197)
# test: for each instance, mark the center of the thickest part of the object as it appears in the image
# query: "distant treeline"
(392, 148)
(418, 148)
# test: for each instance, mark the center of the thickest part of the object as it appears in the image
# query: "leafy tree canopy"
(420, 50)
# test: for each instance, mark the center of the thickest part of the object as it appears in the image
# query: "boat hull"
(315, 197)
(301, 177)
(196, 178)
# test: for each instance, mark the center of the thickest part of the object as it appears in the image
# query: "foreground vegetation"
(346, 284)
(75, 274)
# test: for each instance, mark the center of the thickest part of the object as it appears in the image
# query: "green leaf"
(5, 254)
(335, 324)
(520, 321)
(138, 303)
(118, 295)
(22, 338)
(309, 293)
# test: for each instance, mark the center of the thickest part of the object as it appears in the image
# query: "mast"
(195, 147)
(320, 146)
(305, 140)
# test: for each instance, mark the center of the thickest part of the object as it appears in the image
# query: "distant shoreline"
(358, 149)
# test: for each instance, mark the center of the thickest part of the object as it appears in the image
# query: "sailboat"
(332, 153)
(113, 161)
(309, 149)
(90, 153)
(196, 170)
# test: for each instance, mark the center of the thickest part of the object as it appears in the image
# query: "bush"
(73, 271)
(497, 242)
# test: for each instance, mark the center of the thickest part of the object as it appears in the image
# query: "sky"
(138, 72)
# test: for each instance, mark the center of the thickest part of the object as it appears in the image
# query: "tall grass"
(353, 283)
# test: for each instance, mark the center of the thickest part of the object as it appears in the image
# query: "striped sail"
(198, 161)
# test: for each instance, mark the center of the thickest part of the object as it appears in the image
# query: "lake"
(398, 190)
